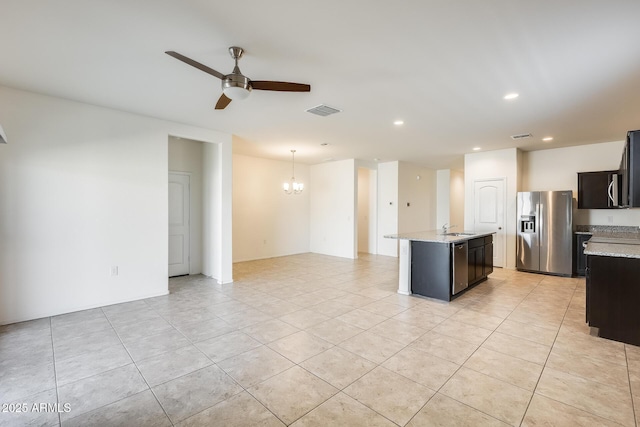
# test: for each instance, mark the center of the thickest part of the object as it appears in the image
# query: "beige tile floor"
(312, 340)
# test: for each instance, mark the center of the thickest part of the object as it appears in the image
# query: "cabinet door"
(473, 253)
(613, 298)
(593, 190)
(488, 259)
(581, 258)
(480, 263)
(587, 289)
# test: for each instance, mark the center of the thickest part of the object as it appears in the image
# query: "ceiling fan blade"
(196, 64)
(223, 101)
(280, 86)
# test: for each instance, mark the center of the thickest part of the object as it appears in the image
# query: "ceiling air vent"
(521, 136)
(323, 110)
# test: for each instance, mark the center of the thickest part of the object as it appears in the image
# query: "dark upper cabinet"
(599, 190)
(630, 171)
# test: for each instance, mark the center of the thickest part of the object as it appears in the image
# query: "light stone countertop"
(620, 245)
(436, 236)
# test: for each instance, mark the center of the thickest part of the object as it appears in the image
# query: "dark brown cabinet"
(476, 260)
(480, 258)
(580, 259)
(613, 297)
(488, 255)
(595, 189)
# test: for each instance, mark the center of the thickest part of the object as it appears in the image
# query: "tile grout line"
(432, 329)
(145, 380)
(479, 346)
(548, 355)
(332, 346)
(55, 372)
(633, 406)
(212, 364)
(139, 372)
(545, 365)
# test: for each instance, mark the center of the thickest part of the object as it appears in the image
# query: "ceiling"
(442, 66)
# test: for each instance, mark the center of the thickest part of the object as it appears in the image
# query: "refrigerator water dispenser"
(527, 224)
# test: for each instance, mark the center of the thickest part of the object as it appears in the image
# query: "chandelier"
(293, 187)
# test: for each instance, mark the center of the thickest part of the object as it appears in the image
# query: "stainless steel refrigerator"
(544, 235)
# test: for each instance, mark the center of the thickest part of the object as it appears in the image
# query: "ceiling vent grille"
(323, 110)
(521, 136)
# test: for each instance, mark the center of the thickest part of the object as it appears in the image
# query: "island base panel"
(431, 270)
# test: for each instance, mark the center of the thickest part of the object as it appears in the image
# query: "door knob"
(499, 228)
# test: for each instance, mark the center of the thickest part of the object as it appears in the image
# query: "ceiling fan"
(236, 85)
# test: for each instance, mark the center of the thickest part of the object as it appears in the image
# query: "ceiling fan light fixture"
(236, 93)
(236, 86)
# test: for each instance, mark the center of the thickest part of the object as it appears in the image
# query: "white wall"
(333, 208)
(266, 221)
(84, 188)
(456, 199)
(387, 207)
(494, 164)
(556, 169)
(450, 199)
(373, 211)
(186, 155)
(443, 198)
(417, 198)
(364, 200)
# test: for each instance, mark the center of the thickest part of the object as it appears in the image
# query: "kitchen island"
(442, 265)
(613, 294)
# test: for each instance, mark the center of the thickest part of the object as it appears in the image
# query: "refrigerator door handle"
(540, 223)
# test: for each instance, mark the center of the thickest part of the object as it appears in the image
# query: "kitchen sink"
(458, 234)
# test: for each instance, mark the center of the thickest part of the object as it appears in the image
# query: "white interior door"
(489, 214)
(179, 198)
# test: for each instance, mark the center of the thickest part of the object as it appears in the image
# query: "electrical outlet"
(114, 270)
(264, 242)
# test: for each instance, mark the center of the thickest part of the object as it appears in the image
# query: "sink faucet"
(446, 227)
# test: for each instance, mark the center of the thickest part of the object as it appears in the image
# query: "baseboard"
(80, 308)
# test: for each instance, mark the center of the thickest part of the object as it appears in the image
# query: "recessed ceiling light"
(547, 138)
(476, 148)
(511, 96)
(398, 122)
(376, 159)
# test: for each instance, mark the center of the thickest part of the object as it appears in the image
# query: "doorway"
(179, 224)
(489, 214)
